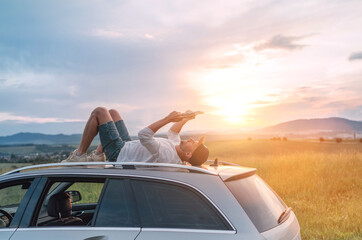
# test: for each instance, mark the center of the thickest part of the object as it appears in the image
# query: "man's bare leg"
(115, 117)
(99, 116)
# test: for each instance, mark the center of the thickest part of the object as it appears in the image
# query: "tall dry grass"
(322, 182)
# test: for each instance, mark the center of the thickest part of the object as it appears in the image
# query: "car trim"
(187, 230)
(149, 177)
(80, 228)
(124, 165)
(8, 230)
(231, 174)
(125, 229)
(29, 210)
(286, 225)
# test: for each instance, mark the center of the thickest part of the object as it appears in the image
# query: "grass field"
(5, 167)
(17, 149)
(322, 182)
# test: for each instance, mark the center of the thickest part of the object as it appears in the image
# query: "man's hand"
(172, 117)
(191, 114)
(175, 116)
(178, 118)
(187, 116)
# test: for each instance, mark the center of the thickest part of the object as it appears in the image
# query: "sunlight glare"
(227, 91)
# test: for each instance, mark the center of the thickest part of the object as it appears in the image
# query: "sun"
(230, 92)
(231, 107)
(238, 84)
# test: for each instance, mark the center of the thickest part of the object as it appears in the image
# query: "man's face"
(189, 145)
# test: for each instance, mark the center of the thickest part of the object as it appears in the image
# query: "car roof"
(226, 171)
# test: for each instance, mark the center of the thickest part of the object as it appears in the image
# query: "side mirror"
(26, 185)
(74, 196)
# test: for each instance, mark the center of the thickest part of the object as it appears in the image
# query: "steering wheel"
(8, 215)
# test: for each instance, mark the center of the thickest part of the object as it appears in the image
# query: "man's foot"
(73, 157)
(95, 156)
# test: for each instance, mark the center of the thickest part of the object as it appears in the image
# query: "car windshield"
(258, 200)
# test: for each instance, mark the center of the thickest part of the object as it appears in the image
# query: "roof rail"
(124, 165)
(222, 163)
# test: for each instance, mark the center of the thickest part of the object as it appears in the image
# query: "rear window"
(261, 204)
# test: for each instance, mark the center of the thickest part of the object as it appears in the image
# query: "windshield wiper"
(284, 215)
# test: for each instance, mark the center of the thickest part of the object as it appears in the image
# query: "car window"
(10, 199)
(12, 196)
(164, 205)
(53, 187)
(89, 191)
(257, 199)
(58, 207)
(117, 208)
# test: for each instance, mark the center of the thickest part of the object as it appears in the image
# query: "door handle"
(97, 238)
(79, 213)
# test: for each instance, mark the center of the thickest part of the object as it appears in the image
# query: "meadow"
(321, 181)
(5, 167)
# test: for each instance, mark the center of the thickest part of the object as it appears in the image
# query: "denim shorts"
(113, 136)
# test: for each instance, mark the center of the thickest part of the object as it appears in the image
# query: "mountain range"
(39, 138)
(326, 127)
(317, 125)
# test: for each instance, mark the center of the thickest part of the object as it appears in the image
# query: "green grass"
(5, 167)
(17, 149)
(322, 182)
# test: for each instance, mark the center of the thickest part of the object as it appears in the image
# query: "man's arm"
(146, 135)
(176, 127)
(172, 117)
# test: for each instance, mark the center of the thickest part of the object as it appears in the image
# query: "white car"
(143, 201)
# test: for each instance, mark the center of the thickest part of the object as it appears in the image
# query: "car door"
(114, 215)
(175, 211)
(14, 196)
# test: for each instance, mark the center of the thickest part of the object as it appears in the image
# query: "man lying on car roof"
(116, 144)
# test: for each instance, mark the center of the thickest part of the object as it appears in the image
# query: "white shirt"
(150, 149)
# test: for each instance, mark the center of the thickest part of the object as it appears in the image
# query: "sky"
(246, 64)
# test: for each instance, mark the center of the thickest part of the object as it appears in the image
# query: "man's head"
(195, 152)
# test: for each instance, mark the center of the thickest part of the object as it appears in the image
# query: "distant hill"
(38, 138)
(302, 128)
(331, 125)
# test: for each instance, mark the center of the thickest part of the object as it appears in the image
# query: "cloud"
(107, 33)
(122, 108)
(48, 101)
(149, 36)
(125, 34)
(4, 116)
(225, 61)
(324, 98)
(304, 88)
(355, 56)
(254, 52)
(312, 99)
(261, 102)
(94, 57)
(281, 42)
